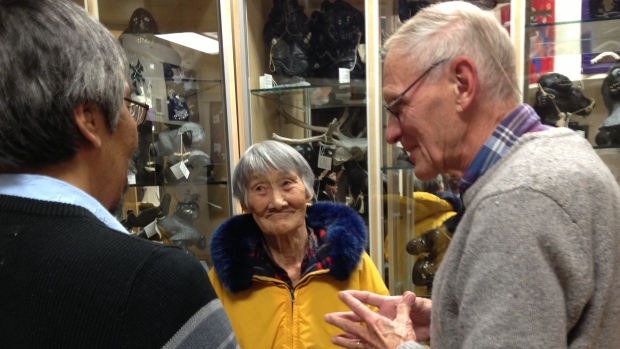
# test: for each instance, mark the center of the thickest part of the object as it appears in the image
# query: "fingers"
(348, 342)
(359, 308)
(351, 316)
(410, 298)
(421, 308)
(351, 328)
(371, 298)
(403, 309)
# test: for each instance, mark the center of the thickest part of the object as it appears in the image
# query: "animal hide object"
(286, 34)
(191, 134)
(604, 8)
(337, 34)
(609, 131)
(557, 100)
(430, 248)
(180, 226)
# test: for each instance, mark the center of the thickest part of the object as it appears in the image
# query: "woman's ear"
(308, 197)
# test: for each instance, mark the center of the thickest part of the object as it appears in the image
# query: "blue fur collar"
(233, 241)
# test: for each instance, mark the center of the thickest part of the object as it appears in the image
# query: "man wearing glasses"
(70, 275)
(535, 260)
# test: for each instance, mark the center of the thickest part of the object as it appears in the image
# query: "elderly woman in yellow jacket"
(278, 267)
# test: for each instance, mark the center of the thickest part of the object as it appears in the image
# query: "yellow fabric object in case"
(429, 212)
(265, 316)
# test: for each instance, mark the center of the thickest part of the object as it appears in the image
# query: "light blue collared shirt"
(45, 188)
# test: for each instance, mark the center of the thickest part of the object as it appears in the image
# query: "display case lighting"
(206, 43)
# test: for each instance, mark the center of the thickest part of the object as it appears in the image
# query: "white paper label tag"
(325, 162)
(180, 170)
(266, 81)
(344, 75)
(152, 229)
(131, 179)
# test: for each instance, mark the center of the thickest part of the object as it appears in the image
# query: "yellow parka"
(263, 311)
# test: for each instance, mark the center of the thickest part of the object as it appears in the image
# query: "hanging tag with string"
(325, 161)
(180, 169)
(150, 164)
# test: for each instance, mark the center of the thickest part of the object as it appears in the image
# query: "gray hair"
(450, 29)
(54, 56)
(267, 156)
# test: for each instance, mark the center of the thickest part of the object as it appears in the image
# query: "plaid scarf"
(520, 121)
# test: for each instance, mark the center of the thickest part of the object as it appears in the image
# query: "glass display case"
(416, 215)
(309, 72)
(566, 60)
(332, 112)
(571, 49)
(178, 189)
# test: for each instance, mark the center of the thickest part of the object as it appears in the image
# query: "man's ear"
(466, 81)
(88, 120)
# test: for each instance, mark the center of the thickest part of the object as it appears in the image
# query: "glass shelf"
(396, 168)
(317, 96)
(313, 83)
(579, 22)
(179, 184)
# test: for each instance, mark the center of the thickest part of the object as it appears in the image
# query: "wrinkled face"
(278, 203)
(424, 126)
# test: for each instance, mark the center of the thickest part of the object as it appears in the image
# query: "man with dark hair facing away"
(70, 275)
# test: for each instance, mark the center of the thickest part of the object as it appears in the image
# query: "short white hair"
(450, 29)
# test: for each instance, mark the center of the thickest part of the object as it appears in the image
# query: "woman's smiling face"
(277, 202)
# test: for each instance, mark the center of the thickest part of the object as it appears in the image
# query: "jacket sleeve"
(172, 304)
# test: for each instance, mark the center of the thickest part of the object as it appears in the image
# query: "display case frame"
(257, 111)
(205, 83)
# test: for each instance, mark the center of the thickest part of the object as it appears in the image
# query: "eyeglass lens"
(138, 112)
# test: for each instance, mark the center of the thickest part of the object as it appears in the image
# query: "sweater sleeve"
(172, 302)
(208, 327)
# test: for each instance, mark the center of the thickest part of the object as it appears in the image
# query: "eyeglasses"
(137, 110)
(400, 96)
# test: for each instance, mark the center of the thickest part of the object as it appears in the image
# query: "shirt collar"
(45, 188)
(520, 121)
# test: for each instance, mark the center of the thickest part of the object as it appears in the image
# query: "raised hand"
(391, 325)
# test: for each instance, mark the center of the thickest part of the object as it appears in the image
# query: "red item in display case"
(542, 37)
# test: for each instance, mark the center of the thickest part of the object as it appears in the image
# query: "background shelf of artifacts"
(326, 123)
(179, 189)
(417, 217)
(572, 69)
(305, 66)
